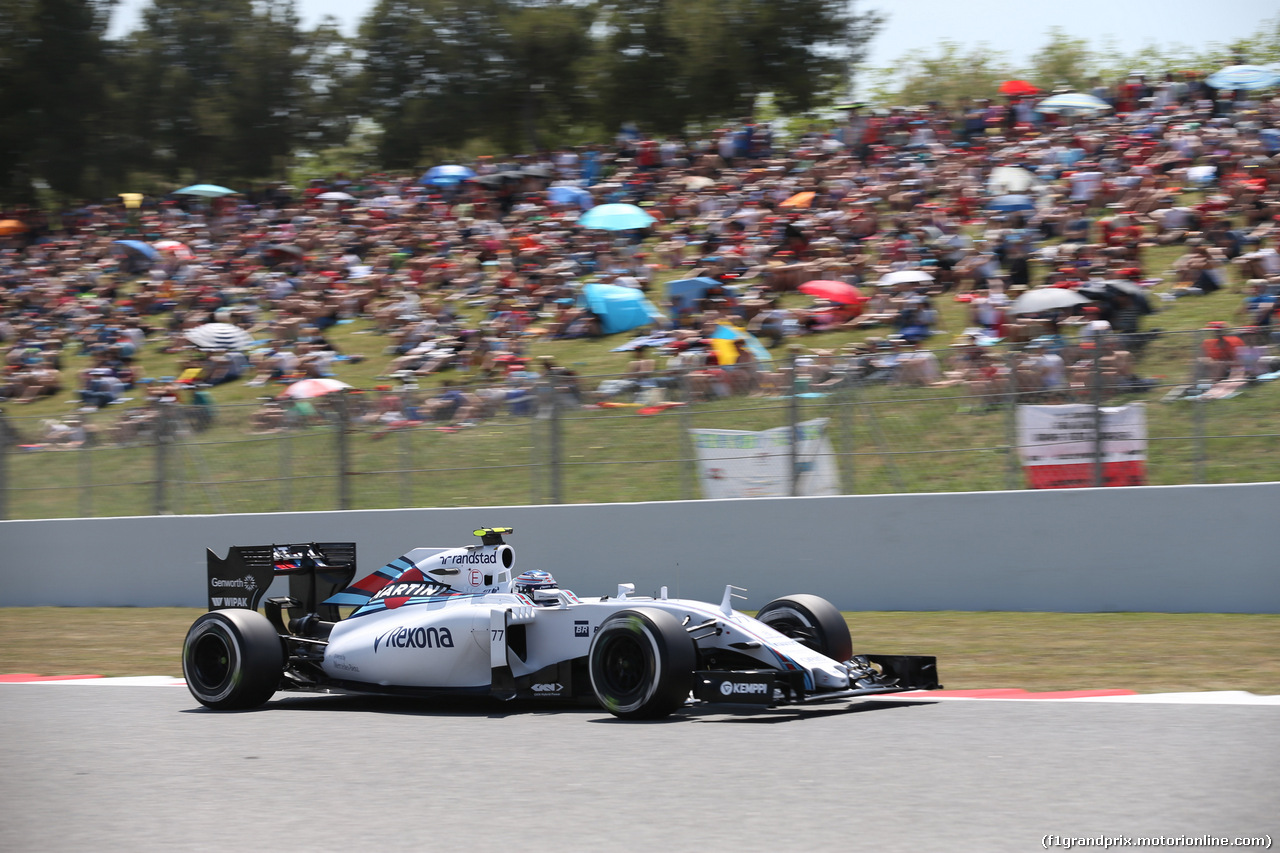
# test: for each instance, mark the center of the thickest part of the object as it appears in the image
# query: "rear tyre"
(813, 621)
(641, 664)
(232, 660)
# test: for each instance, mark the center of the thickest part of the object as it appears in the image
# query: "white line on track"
(1218, 697)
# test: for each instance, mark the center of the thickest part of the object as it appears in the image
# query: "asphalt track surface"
(89, 768)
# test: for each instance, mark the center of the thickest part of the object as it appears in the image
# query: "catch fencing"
(568, 438)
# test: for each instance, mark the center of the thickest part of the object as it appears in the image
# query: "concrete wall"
(1162, 548)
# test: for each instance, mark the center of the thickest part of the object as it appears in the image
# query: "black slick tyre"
(232, 660)
(641, 664)
(813, 621)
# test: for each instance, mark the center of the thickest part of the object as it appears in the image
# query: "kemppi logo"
(729, 688)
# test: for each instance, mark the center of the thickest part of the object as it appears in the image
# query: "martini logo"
(412, 584)
(414, 638)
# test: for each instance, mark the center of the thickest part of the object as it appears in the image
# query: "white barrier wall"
(1161, 548)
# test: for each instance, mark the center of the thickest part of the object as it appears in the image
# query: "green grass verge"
(1147, 652)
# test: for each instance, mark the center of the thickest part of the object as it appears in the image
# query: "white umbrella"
(1010, 179)
(1236, 77)
(219, 336)
(306, 388)
(1072, 103)
(336, 196)
(904, 277)
(1046, 299)
(205, 191)
(181, 250)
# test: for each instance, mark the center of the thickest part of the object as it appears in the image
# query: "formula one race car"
(461, 621)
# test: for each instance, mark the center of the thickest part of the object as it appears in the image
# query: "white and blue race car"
(462, 621)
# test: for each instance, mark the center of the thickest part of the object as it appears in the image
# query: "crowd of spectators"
(456, 281)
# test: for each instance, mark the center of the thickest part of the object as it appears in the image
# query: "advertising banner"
(741, 464)
(1056, 445)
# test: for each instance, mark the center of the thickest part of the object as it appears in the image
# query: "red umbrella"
(833, 291)
(1017, 87)
(305, 388)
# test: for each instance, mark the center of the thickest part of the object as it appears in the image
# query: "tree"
(220, 87)
(430, 72)
(52, 73)
(667, 63)
(543, 51)
(949, 76)
(1063, 60)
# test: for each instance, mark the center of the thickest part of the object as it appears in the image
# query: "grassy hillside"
(887, 439)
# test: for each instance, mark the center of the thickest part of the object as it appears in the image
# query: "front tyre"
(232, 660)
(813, 621)
(641, 664)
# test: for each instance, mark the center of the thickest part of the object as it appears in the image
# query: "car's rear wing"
(316, 571)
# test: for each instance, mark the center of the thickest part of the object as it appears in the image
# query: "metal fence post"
(688, 452)
(1098, 340)
(86, 478)
(6, 441)
(1198, 410)
(847, 412)
(553, 435)
(406, 460)
(535, 444)
(164, 433)
(1011, 466)
(286, 472)
(793, 412)
(344, 456)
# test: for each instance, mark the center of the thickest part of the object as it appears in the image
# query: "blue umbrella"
(616, 217)
(1011, 203)
(443, 176)
(571, 195)
(1236, 77)
(139, 247)
(205, 190)
(690, 290)
(1072, 103)
(620, 309)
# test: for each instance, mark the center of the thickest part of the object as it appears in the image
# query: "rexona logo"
(414, 638)
(248, 583)
(547, 689)
(229, 602)
(729, 688)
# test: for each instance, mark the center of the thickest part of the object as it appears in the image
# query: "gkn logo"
(729, 688)
(547, 689)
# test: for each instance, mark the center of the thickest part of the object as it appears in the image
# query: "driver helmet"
(532, 581)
